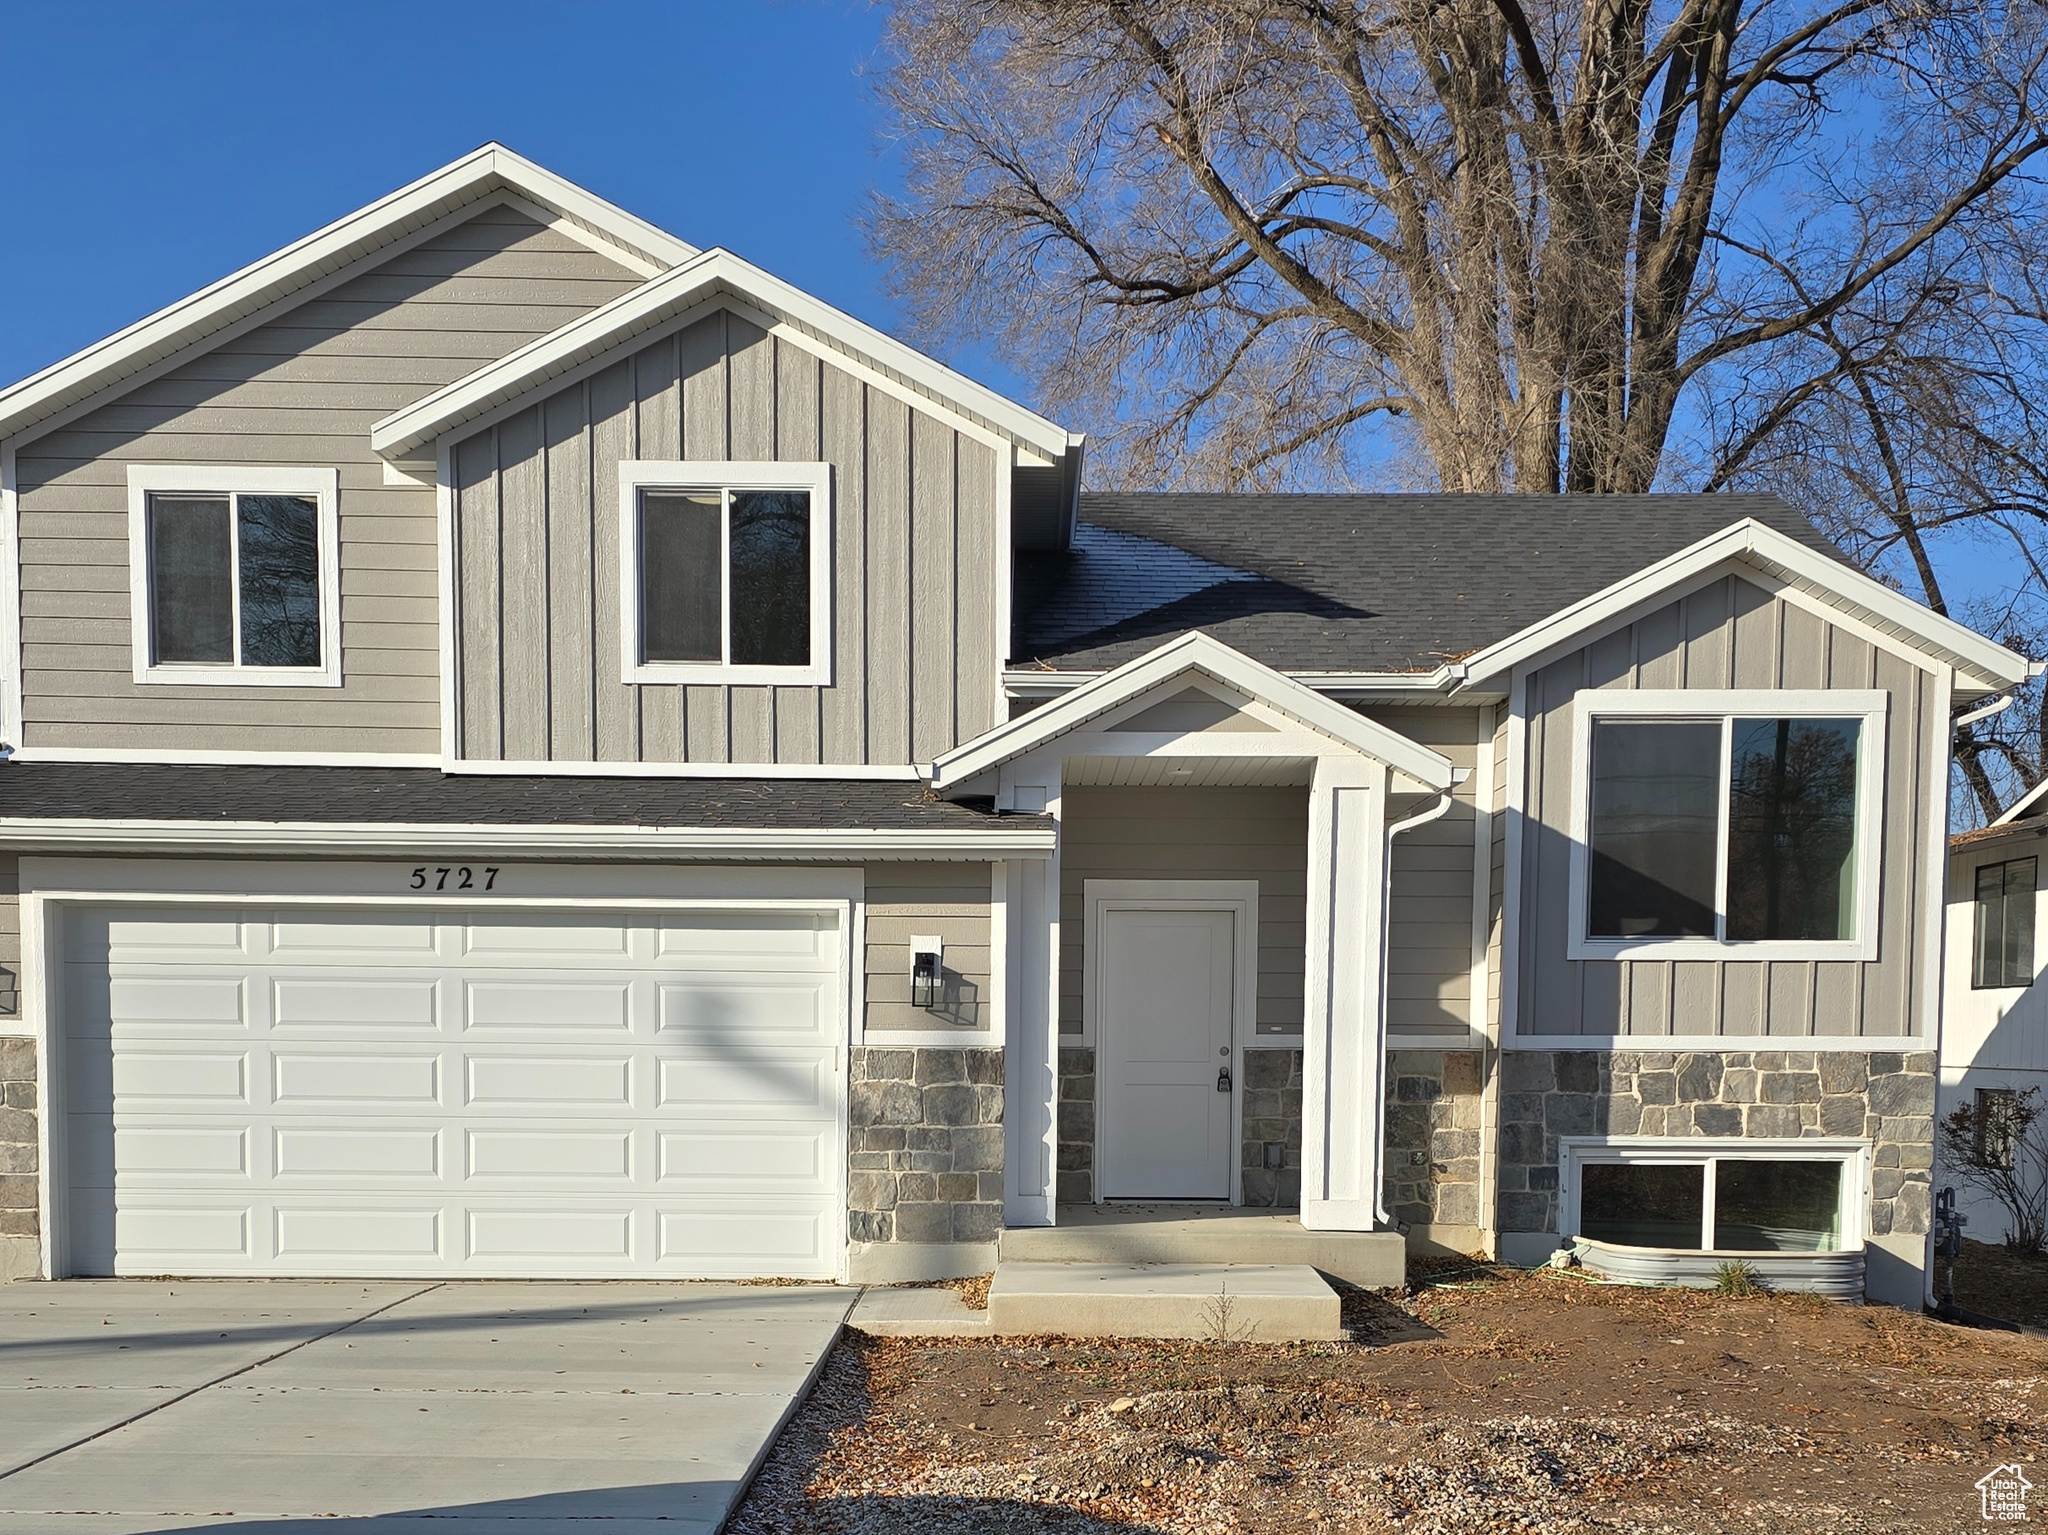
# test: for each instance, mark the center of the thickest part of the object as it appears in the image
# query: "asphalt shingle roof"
(1357, 583)
(426, 796)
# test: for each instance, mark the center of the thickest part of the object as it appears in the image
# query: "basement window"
(725, 573)
(234, 575)
(1760, 1199)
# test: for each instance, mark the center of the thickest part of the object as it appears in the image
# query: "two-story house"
(540, 750)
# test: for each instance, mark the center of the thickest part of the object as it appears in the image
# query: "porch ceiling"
(1188, 772)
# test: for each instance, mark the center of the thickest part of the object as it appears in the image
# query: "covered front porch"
(1196, 980)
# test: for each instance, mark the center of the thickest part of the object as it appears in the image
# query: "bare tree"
(1592, 247)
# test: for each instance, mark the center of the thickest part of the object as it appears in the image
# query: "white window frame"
(322, 485)
(1578, 1151)
(704, 475)
(1718, 706)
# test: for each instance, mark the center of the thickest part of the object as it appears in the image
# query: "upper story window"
(2002, 947)
(234, 575)
(1746, 821)
(725, 572)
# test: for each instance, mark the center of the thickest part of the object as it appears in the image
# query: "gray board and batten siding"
(1729, 634)
(914, 667)
(301, 389)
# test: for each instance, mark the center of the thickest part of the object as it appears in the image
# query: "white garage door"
(496, 1093)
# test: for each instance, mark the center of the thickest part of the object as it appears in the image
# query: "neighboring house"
(1994, 1037)
(543, 751)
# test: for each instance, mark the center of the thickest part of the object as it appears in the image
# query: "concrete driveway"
(135, 1405)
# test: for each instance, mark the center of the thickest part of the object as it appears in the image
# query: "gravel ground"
(1538, 1403)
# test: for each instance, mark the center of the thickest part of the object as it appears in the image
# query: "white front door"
(1167, 982)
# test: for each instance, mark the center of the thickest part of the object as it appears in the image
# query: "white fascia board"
(190, 320)
(1978, 660)
(2023, 804)
(404, 434)
(1374, 687)
(1193, 652)
(624, 842)
(815, 772)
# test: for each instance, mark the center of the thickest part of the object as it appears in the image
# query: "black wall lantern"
(926, 971)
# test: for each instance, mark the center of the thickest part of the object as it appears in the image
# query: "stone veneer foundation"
(1435, 1147)
(1885, 1097)
(925, 1161)
(20, 1223)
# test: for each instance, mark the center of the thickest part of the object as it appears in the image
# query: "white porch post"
(1342, 1136)
(1032, 1041)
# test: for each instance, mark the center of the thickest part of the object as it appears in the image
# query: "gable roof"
(409, 434)
(1191, 655)
(1442, 589)
(492, 172)
(1370, 583)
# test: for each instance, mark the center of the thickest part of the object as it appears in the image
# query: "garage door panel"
(304, 1152)
(545, 1236)
(446, 1092)
(376, 1236)
(376, 934)
(144, 1078)
(541, 940)
(218, 1001)
(793, 1159)
(353, 1002)
(156, 1232)
(175, 1151)
(745, 1012)
(572, 1006)
(307, 1079)
(550, 1081)
(553, 1156)
(744, 1084)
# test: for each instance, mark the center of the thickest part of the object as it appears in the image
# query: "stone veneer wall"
(20, 1218)
(926, 1145)
(1435, 1146)
(1074, 1135)
(1886, 1097)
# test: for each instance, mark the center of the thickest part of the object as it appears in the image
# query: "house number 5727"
(458, 876)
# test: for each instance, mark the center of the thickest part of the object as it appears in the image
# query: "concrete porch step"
(1236, 1302)
(1206, 1234)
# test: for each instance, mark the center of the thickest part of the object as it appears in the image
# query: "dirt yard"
(1501, 1401)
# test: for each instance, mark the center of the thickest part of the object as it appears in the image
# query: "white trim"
(814, 479)
(449, 409)
(1194, 652)
(624, 842)
(1239, 897)
(12, 679)
(1514, 805)
(1355, 687)
(584, 235)
(1575, 1151)
(821, 772)
(323, 485)
(1718, 1044)
(1934, 855)
(1899, 618)
(448, 611)
(456, 191)
(1005, 577)
(174, 756)
(2023, 804)
(1720, 706)
(1480, 988)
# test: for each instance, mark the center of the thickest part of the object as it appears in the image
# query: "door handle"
(1222, 1079)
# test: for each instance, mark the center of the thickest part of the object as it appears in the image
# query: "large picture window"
(724, 568)
(1757, 1198)
(1697, 832)
(235, 575)
(2002, 933)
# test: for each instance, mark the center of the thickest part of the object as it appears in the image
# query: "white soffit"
(1200, 654)
(1981, 665)
(407, 435)
(492, 171)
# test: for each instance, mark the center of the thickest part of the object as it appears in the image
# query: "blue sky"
(150, 148)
